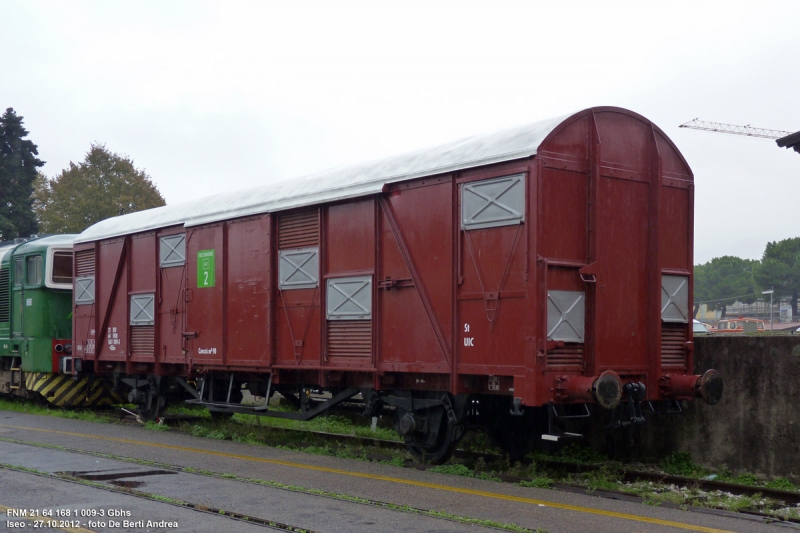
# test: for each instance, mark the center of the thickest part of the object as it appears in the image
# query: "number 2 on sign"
(205, 278)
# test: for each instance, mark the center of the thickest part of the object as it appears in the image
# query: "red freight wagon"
(493, 282)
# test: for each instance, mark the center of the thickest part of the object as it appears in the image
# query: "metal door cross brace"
(674, 299)
(350, 297)
(299, 267)
(562, 316)
(83, 286)
(172, 250)
(492, 200)
(142, 309)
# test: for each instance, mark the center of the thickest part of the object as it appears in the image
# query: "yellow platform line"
(435, 486)
(5, 510)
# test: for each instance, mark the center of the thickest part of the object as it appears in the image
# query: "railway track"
(626, 474)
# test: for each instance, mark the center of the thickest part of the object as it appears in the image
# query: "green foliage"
(781, 483)
(543, 482)
(103, 185)
(744, 479)
(395, 461)
(603, 479)
(155, 426)
(59, 412)
(453, 470)
(680, 464)
(337, 424)
(462, 470)
(579, 453)
(18, 170)
(780, 268)
(723, 277)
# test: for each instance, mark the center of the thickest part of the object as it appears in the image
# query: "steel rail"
(618, 495)
(789, 497)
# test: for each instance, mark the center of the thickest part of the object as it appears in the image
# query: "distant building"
(782, 311)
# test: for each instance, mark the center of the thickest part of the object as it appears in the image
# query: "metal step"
(561, 437)
(18, 384)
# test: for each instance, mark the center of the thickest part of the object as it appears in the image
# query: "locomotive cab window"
(33, 270)
(58, 272)
(19, 273)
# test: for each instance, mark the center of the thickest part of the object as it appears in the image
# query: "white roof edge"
(336, 184)
(5, 249)
(345, 193)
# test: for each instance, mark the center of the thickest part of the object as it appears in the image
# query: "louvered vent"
(299, 229)
(84, 263)
(143, 340)
(349, 338)
(5, 296)
(673, 345)
(571, 354)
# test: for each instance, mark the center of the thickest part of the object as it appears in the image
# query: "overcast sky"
(215, 96)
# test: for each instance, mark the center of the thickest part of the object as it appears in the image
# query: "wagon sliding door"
(247, 292)
(142, 297)
(228, 293)
(492, 271)
(205, 294)
(297, 314)
(349, 291)
(172, 267)
(415, 278)
(567, 299)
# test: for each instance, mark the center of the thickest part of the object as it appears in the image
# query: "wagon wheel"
(155, 399)
(152, 409)
(441, 450)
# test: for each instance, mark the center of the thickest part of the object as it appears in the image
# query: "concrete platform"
(549, 510)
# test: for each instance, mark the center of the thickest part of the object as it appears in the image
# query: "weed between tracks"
(537, 472)
(27, 407)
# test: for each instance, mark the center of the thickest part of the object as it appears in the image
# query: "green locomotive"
(36, 325)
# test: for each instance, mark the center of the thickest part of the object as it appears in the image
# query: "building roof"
(790, 141)
(335, 184)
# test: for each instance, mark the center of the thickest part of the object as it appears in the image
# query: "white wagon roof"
(335, 184)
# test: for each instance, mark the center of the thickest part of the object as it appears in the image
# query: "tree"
(780, 268)
(18, 170)
(103, 185)
(716, 282)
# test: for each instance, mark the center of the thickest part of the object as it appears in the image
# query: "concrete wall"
(756, 425)
(754, 428)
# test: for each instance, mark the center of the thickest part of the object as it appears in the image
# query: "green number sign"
(205, 268)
